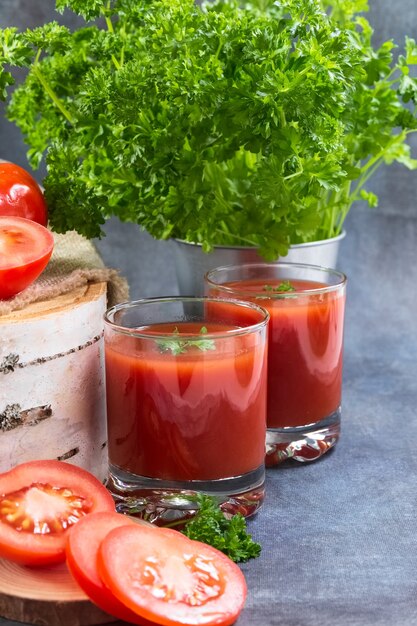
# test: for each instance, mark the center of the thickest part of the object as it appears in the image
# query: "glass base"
(163, 502)
(302, 443)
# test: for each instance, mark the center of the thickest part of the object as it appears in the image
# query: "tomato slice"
(25, 249)
(39, 502)
(82, 546)
(20, 194)
(170, 579)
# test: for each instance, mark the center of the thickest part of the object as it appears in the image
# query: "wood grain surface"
(47, 596)
(53, 306)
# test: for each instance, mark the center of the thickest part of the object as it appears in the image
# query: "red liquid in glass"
(195, 416)
(304, 351)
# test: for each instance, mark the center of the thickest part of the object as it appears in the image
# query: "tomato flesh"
(20, 194)
(43, 509)
(81, 553)
(39, 502)
(169, 579)
(25, 249)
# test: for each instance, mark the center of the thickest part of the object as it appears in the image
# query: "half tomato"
(25, 249)
(39, 502)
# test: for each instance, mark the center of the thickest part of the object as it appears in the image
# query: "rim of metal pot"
(296, 246)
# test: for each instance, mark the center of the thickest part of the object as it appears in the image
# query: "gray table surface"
(338, 535)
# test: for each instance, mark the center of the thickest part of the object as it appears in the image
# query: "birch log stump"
(52, 387)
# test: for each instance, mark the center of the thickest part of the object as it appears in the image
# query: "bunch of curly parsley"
(227, 123)
(227, 534)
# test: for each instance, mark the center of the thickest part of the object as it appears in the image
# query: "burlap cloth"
(75, 262)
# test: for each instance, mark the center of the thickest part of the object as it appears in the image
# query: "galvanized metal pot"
(191, 263)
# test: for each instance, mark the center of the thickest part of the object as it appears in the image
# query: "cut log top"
(59, 304)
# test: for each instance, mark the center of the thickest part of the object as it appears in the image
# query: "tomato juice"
(197, 412)
(305, 346)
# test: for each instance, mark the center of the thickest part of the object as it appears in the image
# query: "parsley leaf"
(178, 345)
(230, 536)
(284, 286)
(283, 290)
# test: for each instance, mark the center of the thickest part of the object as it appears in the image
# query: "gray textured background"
(339, 535)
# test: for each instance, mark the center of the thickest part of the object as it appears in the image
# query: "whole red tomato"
(20, 194)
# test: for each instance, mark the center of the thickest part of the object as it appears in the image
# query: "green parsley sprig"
(178, 345)
(229, 535)
(284, 286)
(283, 290)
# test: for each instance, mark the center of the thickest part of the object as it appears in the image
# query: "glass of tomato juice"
(306, 306)
(186, 404)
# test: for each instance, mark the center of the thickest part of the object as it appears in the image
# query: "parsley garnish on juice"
(178, 345)
(282, 287)
(279, 291)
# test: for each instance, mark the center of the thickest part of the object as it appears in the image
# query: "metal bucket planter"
(191, 263)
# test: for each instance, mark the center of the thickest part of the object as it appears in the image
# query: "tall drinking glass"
(186, 404)
(306, 306)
